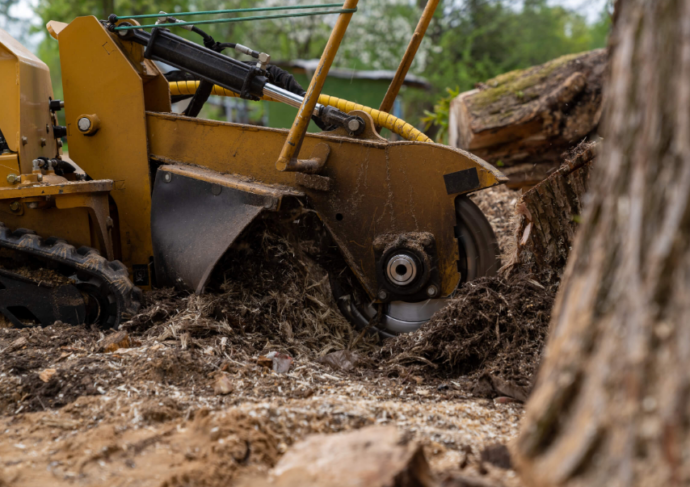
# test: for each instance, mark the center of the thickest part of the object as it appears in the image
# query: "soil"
(148, 415)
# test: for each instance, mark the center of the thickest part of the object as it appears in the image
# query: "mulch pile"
(274, 294)
(270, 295)
(493, 326)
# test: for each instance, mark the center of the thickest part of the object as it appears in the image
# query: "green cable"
(229, 11)
(237, 19)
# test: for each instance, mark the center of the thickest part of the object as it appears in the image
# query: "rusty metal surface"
(195, 217)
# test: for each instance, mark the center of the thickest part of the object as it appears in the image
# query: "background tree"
(468, 41)
(611, 404)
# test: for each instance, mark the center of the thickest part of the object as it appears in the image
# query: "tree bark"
(549, 215)
(524, 120)
(611, 405)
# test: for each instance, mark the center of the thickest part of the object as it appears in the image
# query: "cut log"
(526, 119)
(549, 215)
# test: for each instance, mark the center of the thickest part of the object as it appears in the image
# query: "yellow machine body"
(375, 187)
(27, 126)
(25, 119)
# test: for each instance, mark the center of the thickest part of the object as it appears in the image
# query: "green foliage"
(467, 42)
(439, 116)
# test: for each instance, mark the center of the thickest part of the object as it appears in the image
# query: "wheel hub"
(401, 269)
(478, 256)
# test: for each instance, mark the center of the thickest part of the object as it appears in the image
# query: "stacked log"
(523, 121)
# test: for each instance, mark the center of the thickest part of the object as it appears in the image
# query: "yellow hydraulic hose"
(382, 119)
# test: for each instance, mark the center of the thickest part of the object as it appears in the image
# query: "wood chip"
(223, 385)
(116, 341)
(47, 374)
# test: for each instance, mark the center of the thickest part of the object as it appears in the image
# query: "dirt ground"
(185, 402)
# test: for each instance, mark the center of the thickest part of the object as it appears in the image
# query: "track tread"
(85, 259)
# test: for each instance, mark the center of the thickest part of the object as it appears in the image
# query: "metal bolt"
(32, 205)
(25, 140)
(59, 142)
(84, 124)
(216, 189)
(39, 177)
(43, 142)
(13, 178)
(353, 125)
(431, 291)
(168, 177)
(383, 295)
(15, 206)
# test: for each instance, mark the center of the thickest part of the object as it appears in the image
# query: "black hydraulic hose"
(199, 99)
(203, 34)
(202, 93)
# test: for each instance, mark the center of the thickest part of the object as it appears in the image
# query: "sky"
(23, 10)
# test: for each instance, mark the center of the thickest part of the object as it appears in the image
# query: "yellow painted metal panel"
(99, 79)
(378, 188)
(26, 92)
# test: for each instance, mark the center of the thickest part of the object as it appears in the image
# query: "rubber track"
(86, 260)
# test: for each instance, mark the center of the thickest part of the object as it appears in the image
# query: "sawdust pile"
(493, 326)
(270, 295)
(498, 205)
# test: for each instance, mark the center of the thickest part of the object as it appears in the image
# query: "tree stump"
(549, 215)
(611, 402)
(524, 120)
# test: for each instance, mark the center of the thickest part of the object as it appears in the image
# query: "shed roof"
(309, 66)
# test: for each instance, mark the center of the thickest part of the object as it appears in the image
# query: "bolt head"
(353, 125)
(431, 291)
(167, 177)
(32, 205)
(39, 177)
(383, 295)
(13, 178)
(14, 206)
(84, 124)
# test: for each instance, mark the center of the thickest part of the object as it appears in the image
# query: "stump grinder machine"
(152, 198)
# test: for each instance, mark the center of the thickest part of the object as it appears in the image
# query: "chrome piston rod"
(289, 98)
